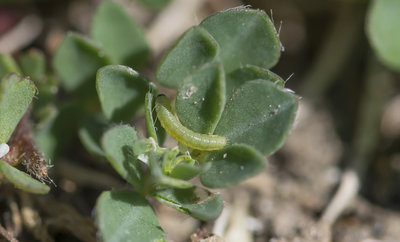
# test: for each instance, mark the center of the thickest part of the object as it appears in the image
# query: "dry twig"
(6, 235)
(21, 35)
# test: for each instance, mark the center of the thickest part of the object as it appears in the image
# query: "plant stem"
(334, 53)
(15, 215)
(6, 235)
(26, 31)
(349, 186)
(86, 177)
(366, 138)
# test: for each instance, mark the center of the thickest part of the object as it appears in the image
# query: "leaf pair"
(16, 94)
(235, 37)
(131, 157)
(123, 215)
(224, 88)
(115, 39)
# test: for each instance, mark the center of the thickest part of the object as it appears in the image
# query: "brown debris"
(23, 150)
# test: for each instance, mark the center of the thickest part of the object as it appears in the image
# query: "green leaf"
(77, 60)
(150, 125)
(166, 181)
(153, 126)
(248, 73)
(194, 49)
(196, 202)
(154, 5)
(33, 64)
(123, 215)
(22, 180)
(235, 37)
(119, 35)
(159, 178)
(259, 114)
(185, 171)
(384, 32)
(15, 97)
(117, 144)
(90, 134)
(231, 166)
(201, 99)
(121, 91)
(7, 65)
(245, 36)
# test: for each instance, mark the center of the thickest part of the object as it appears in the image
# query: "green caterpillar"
(182, 134)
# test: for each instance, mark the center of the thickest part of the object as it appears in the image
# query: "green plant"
(224, 88)
(16, 94)
(383, 34)
(226, 94)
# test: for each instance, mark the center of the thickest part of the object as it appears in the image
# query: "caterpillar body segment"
(182, 134)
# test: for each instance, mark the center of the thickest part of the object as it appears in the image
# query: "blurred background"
(348, 123)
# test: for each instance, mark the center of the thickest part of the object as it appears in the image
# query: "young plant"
(229, 112)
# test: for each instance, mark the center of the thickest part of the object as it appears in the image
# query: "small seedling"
(229, 112)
